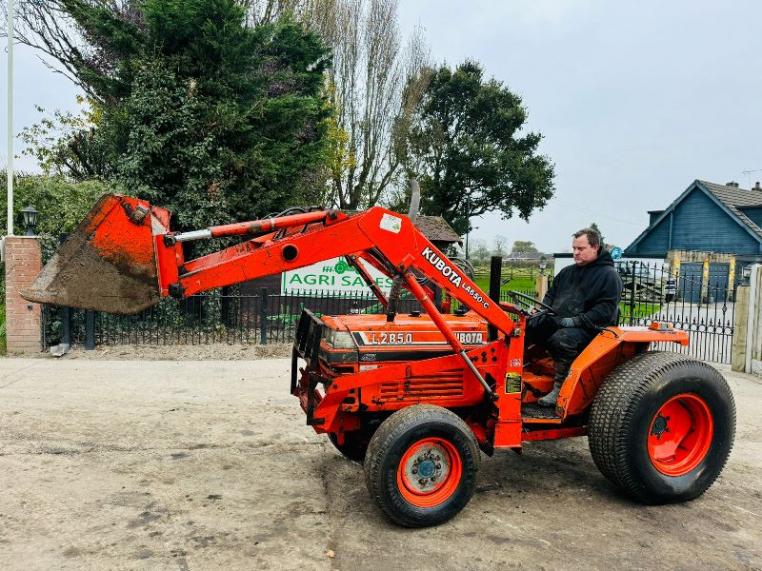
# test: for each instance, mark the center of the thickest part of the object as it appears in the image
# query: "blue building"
(706, 217)
(710, 231)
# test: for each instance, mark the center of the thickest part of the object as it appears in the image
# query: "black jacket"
(588, 293)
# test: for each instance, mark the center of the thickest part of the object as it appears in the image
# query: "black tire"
(437, 441)
(626, 417)
(355, 444)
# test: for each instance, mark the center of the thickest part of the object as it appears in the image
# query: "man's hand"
(567, 322)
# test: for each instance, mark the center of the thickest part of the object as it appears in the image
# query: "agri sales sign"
(332, 277)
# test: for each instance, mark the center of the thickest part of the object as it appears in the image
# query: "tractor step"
(536, 413)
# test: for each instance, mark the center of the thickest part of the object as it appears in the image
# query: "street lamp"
(30, 216)
(543, 264)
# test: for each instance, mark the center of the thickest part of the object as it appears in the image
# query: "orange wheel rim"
(429, 472)
(680, 434)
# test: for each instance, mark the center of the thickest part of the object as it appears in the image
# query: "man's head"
(586, 246)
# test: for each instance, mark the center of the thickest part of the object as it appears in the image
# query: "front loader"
(417, 397)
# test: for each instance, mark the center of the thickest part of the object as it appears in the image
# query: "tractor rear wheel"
(662, 427)
(421, 465)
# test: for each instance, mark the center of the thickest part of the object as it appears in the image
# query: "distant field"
(524, 283)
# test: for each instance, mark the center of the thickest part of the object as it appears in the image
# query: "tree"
(374, 86)
(499, 249)
(61, 203)
(479, 252)
(190, 106)
(467, 146)
(523, 247)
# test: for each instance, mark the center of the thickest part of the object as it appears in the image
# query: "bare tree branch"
(370, 70)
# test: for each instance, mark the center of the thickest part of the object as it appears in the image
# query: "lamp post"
(541, 284)
(9, 168)
(30, 217)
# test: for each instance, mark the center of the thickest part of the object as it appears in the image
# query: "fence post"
(66, 326)
(89, 330)
(632, 295)
(752, 323)
(740, 329)
(495, 276)
(263, 317)
(541, 285)
(225, 303)
(23, 323)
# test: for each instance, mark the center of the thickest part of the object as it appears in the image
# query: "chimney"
(732, 183)
(757, 187)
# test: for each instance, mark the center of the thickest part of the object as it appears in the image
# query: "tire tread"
(616, 404)
(385, 437)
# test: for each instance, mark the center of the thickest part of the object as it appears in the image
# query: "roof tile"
(733, 198)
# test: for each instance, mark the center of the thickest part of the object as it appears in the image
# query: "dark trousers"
(563, 343)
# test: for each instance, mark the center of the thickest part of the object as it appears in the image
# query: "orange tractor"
(415, 397)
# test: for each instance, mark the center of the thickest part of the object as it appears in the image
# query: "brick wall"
(23, 261)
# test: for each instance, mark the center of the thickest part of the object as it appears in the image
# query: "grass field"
(518, 282)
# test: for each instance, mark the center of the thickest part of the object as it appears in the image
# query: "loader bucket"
(107, 263)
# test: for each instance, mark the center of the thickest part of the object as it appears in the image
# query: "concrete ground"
(204, 465)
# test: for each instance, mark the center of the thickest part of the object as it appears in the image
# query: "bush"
(62, 205)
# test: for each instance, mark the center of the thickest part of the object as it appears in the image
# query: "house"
(523, 257)
(436, 229)
(710, 232)
(706, 217)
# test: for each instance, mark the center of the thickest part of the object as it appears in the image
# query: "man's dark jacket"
(590, 293)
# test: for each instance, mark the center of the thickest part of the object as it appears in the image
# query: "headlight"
(339, 339)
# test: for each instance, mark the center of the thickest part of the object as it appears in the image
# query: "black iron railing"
(702, 304)
(208, 318)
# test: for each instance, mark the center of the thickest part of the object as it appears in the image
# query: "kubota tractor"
(415, 397)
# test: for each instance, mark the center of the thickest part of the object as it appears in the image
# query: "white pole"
(9, 170)
(751, 321)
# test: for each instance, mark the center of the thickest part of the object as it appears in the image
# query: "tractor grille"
(416, 388)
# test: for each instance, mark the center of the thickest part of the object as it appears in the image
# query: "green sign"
(332, 277)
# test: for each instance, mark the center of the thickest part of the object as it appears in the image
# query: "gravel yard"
(146, 464)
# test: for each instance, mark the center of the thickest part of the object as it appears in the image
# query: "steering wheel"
(528, 301)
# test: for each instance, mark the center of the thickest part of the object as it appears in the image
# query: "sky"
(634, 100)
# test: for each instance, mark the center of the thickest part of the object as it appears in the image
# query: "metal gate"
(706, 310)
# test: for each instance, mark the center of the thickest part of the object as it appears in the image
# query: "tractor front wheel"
(421, 465)
(354, 446)
(662, 427)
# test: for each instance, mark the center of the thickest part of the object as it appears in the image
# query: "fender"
(608, 349)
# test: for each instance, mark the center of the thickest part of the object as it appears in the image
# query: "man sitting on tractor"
(585, 299)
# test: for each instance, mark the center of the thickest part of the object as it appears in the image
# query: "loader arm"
(123, 258)
(387, 240)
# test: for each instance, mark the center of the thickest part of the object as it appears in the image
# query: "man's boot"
(551, 398)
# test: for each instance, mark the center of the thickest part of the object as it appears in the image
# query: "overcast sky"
(635, 99)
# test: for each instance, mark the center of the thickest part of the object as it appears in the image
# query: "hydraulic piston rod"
(254, 227)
